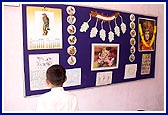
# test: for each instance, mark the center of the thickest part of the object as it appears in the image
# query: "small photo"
(71, 50)
(132, 49)
(71, 19)
(104, 56)
(70, 10)
(147, 34)
(133, 33)
(132, 25)
(72, 40)
(71, 60)
(132, 17)
(71, 29)
(132, 57)
(132, 41)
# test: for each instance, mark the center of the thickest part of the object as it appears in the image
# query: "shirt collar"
(57, 89)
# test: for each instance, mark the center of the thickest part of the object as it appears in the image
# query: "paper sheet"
(104, 78)
(73, 77)
(38, 64)
(130, 71)
(146, 63)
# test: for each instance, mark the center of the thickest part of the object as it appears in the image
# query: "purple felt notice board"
(90, 48)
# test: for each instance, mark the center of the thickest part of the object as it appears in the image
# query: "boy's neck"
(54, 86)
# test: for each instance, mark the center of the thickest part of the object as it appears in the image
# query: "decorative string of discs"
(71, 50)
(132, 40)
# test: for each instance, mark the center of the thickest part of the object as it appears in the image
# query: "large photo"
(147, 34)
(104, 56)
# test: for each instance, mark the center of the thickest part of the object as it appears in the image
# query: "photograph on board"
(147, 34)
(104, 56)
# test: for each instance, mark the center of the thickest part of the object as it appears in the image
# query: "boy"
(57, 99)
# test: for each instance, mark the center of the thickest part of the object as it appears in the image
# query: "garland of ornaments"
(132, 40)
(103, 18)
(71, 19)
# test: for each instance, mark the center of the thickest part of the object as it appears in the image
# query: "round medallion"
(71, 60)
(132, 41)
(133, 33)
(132, 57)
(71, 19)
(132, 25)
(70, 10)
(132, 49)
(132, 17)
(72, 40)
(71, 29)
(71, 50)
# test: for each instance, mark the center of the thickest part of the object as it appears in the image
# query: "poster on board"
(44, 28)
(38, 65)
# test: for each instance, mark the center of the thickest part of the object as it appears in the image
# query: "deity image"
(147, 31)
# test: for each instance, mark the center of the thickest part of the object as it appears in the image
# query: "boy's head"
(56, 75)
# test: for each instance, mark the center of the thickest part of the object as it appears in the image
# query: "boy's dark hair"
(56, 74)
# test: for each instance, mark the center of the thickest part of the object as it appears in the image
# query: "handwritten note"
(38, 64)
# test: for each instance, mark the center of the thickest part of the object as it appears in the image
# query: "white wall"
(145, 94)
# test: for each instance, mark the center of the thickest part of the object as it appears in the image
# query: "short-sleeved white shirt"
(57, 100)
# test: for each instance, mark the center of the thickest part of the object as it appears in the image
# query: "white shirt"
(57, 100)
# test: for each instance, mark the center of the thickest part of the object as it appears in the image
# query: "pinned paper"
(130, 71)
(73, 77)
(146, 63)
(38, 65)
(104, 78)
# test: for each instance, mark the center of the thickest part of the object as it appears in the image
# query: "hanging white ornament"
(94, 30)
(85, 25)
(116, 29)
(110, 34)
(123, 25)
(123, 28)
(102, 32)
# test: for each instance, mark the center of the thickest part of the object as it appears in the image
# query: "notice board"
(97, 47)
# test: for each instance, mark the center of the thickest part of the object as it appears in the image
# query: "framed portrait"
(44, 28)
(104, 56)
(146, 34)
